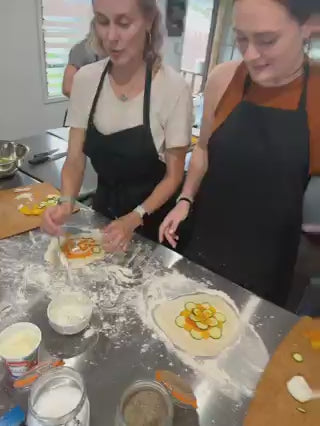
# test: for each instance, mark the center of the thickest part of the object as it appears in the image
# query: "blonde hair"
(154, 39)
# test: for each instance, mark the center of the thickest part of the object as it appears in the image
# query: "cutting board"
(272, 404)
(12, 222)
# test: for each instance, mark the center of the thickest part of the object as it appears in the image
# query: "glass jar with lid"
(57, 398)
(145, 402)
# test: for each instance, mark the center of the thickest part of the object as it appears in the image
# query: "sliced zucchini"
(197, 312)
(202, 326)
(51, 202)
(180, 321)
(297, 357)
(196, 335)
(220, 317)
(190, 306)
(96, 249)
(212, 322)
(207, 313)
(205, 305)
(193, 318)
(215, 333)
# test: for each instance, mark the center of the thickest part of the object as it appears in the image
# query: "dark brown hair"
(301, 10)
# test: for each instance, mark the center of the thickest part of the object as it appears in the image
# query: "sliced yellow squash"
(211, 322)
(197, 312)
(207, 313)
(205, 305)
(194, 318)
(202, 326)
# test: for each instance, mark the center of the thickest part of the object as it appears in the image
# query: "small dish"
(70, 313)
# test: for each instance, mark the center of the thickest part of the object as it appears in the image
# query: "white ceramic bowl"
(70, 313)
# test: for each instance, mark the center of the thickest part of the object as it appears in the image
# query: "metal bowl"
(12, 156)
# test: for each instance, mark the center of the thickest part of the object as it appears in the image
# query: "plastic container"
(70, 313)
(19, 346)
(59, 397)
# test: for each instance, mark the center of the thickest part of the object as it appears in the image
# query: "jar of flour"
(57, 398)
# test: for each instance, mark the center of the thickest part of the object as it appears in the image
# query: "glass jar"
(59, 398)
(143, 385)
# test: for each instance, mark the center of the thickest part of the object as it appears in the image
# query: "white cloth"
(171, 108)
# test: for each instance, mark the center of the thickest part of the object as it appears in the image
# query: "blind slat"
(64, 23)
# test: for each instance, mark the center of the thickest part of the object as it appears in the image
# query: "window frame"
(44, 81)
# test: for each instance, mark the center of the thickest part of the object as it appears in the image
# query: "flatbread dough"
(166, 313)
(52, 254)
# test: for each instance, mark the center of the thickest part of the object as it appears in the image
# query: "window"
(197, 35)
(63, 24)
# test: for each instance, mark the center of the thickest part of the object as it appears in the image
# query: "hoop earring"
(308, 45)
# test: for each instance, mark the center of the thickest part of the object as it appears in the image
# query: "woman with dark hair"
(132, 116)
(259, 145)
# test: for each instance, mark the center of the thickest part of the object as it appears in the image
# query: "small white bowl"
(70, 313)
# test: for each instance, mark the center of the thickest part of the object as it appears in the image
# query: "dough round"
(166, 313)
(52, 253)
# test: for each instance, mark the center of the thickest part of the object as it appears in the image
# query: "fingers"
(49, 225)
(168, 230)
(114, 239)
(171, 237)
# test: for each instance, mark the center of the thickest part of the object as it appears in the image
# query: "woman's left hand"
(118, 234)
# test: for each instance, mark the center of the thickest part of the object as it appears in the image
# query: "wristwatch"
(141, 211)
(66, 199)
(184, 198)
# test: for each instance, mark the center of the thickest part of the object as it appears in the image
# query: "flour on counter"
(172, 284)
(25, 196)
(125, 289)
(21, 189)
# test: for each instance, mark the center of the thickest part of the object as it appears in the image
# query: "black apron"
(248, 211)
(127, 164)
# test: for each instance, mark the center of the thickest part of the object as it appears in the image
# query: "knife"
(45, 154)
(43, 159)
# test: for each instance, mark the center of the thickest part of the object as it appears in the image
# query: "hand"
(119, 233)
(171, 222)
(54, 217)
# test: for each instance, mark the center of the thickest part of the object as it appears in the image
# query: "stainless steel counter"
(18, 179)
(120, 348)
(51, 170)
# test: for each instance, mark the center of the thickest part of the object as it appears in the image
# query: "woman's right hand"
(171, 222)
(54, 217)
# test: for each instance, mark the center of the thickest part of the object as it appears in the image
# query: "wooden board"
(12, 222)
(272, 404)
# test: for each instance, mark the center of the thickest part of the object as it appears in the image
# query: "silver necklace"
(123, 98)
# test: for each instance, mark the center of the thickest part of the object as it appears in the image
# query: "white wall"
(22, 109)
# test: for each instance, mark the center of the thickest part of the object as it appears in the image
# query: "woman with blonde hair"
(132, 116)
(81, 54)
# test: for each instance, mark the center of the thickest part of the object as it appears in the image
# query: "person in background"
(132, 116)
(259, 145)
(80, 54)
